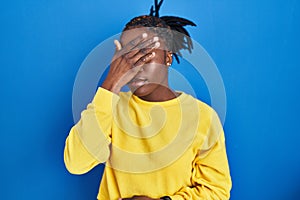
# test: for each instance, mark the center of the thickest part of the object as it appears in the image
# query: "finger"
(133, 43)
(145, 59)
(142, 52)
(118, 48)
(140, 48)
(143, 48)
(147, 44)
(118, 45)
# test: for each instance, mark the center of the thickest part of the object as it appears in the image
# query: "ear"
(169, 58)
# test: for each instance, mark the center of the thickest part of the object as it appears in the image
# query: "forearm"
(88, 142)
(77, 158)
(211, 177)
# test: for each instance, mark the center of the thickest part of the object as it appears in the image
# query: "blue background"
(255, 44)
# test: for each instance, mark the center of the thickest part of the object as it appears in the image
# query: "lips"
(138, 82)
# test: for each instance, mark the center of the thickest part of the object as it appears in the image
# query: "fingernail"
(157, 44)
(152, 54)
(155, 39)
(145, 35)
(118, 45)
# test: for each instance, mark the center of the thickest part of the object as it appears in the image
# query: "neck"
(161, 93)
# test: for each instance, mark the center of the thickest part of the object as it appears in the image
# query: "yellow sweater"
(173, 148)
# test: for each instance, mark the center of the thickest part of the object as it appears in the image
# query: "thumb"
(118, 47)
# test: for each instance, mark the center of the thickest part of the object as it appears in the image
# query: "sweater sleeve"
(210, 175)
(88, 142)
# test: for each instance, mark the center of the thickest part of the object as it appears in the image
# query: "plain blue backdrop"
(255, 44)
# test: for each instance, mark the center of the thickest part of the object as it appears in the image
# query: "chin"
(143, 90)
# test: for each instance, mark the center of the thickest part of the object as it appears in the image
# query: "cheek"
(160, 56)
(156, 72)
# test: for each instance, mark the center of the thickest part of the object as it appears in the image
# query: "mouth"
(138, 82)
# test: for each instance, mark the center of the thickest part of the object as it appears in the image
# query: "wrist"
(111, 86)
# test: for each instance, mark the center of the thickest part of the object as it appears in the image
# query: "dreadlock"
(170, 28)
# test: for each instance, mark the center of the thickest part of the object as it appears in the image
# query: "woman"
(157, 143)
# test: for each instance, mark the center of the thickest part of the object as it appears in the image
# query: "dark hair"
(170, 28)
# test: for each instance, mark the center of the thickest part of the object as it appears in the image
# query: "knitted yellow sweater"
(173, 148)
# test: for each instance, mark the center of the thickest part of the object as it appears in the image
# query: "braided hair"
(170, 28)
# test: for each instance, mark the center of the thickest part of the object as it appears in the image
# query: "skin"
(141, 62)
